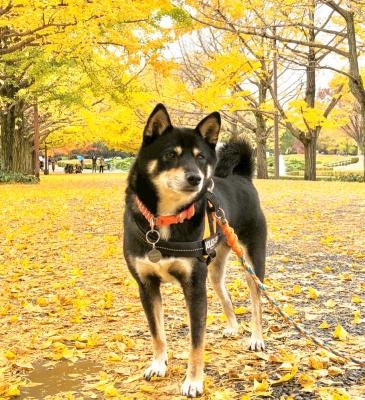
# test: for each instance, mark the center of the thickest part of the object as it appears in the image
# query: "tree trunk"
(261, 160)
(234, 126)
(16, 150)
(261, 138)
(310, 146)
(362, 128)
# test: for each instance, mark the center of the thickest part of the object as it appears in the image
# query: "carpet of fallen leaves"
(72, 326)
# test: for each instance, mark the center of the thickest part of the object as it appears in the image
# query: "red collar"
(164, 220)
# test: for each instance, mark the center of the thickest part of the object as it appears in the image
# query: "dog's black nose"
(193, 179)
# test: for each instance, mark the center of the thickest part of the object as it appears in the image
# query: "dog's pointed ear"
(157, 123)
(209, 128)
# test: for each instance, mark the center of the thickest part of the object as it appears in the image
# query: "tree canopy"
(95, 69)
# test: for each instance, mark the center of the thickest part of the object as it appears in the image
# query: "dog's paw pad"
(157, 368)
(192, 388)
(257, 344)
(230, 332)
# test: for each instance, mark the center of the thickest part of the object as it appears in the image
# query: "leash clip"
(220, 214)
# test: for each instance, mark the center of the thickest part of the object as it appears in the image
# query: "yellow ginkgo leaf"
(260, 386)
(340, 333)
(313, 294)
(330, 303)
(356, 319)
(334, 371)
(324, 325)
(111, 391)
(316, 362)
(12, 391)
(41, 301)
(297, 289)
(10, 355)
(147, 389)
(306, 380)
(356, 299)
(286, 377)
(331, 393)
(114, 357)
(241, 310)
(289, 309)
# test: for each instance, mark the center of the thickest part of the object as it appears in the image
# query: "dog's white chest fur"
(164, 268)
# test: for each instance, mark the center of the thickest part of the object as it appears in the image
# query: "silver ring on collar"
(150, 239)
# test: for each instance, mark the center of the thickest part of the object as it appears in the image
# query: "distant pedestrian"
(53, 163)
(101, 165)
(41, 162)
(94, 160)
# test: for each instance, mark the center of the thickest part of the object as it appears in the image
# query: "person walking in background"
(53, 163)
(101, 165)
(41, 162)
(94, 159)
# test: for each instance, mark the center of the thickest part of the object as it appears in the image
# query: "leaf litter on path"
(67, 297)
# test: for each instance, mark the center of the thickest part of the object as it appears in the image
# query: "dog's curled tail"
(235, 157)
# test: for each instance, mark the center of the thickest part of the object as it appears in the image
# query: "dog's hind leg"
(217, 272)
(195, 292)
(256, 258)
(150, 295)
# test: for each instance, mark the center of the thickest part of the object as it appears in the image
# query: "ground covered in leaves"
(72, 325)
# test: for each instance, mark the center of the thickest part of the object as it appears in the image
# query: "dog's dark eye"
(200, 156)
(170, 155)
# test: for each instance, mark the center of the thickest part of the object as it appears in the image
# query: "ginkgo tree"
(33, 34)
(293, 29)
(221, 73)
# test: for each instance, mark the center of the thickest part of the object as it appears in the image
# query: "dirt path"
(71, 318)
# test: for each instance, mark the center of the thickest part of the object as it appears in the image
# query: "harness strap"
(194, 249)
(203, 249)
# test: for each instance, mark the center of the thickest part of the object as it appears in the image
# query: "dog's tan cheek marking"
(209, 171)
(170, 201)
(151, 167)
(196, 151)
(178, 150)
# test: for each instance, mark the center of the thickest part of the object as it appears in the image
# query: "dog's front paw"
(192, 388)
(157, 368)
(230, 331)
(257, 343)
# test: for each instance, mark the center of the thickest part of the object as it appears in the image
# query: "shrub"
(294, 165)
(17, 177)
(124, 164)
(344, 176)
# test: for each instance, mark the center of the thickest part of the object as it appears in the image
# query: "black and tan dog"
(170, 179)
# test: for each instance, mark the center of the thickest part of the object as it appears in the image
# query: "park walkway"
(71, 311)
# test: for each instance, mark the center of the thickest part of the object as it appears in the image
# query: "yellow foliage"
(340, 333)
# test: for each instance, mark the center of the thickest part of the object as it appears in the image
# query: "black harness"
(203, 249)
